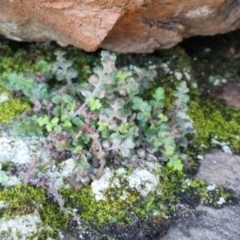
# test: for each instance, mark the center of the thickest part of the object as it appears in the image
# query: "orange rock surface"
(118, 25)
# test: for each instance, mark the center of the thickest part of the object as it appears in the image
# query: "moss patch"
(211, 118)
(12, 108)
(25, 199)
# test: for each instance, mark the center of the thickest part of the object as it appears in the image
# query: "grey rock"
(206, 223)
(221, 168)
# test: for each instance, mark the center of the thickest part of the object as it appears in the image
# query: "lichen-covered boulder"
(118, 25)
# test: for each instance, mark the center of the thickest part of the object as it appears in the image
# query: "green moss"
(22, 200)
(25, 199)
(209, 196)
(212, 119)
(99, 212)
(12, 108)
(52, 215)
(114, 210)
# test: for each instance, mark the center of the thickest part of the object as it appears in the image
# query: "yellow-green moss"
(21, 200)
(25, 199)
(212, 119)
(207, 196)
(117, 210)
(99, 212)
(12, 108)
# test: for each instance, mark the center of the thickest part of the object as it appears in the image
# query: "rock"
(206, 223)
(118, 25)
(222, 169)
(229, 94)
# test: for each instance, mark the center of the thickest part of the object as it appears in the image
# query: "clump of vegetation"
(118, 118)
(104, 122)
(105, 119)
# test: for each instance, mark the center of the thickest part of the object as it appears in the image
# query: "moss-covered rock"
(28, 207)
(214, 120)
(120, 207)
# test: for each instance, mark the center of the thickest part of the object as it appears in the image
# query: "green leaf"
(175, 163)
(72, 73)
(94, 104)
(57, 99)
(43, 121)
(68, 98)
(77, 121)
(163, 117)
(122, 75)
(158, 142)
(105, 133)
(140, 116)
(58, 129)
(169, 146)
(123, 128)
(137, 102)
(67, 124)
(85, 139)
(57, 111)
(102, 125)
(65, 117)
(156, 104)
(39, 91)
(145, 107)
(71, 106)
(182, 88)
(55, 120)
(159, 94)
(169, 141)
(49, 127)
(169, 150)
(77, 149)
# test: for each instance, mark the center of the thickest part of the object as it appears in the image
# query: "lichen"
(21, 227)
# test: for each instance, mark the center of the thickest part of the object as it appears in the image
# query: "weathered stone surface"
(229, 94)
(221, 168)
(119, 25)
(206, 223)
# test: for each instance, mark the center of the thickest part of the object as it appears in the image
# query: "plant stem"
(88, 99)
